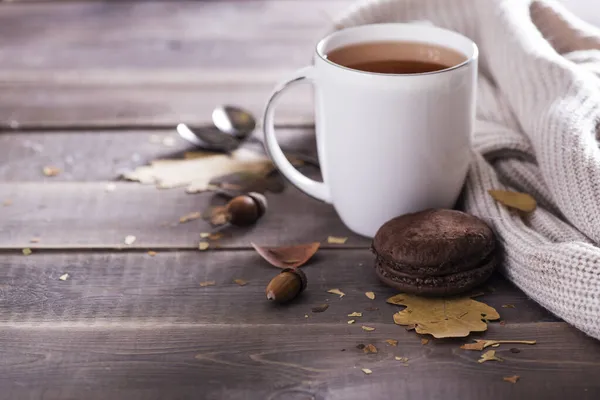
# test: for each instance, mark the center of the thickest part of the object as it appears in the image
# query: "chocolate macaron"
(436, 252)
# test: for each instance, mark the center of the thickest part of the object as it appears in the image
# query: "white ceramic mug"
(388, 144)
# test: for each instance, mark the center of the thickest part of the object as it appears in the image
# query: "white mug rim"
(319, 48)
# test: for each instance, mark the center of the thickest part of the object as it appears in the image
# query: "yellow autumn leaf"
(355, 314)
(367, 328)
(370, 295)
(443, 317)
(516, 200)
(392, 342)
(481, 344)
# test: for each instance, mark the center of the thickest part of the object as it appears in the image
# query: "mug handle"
(318, 190)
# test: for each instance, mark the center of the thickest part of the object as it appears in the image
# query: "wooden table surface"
(83, 86)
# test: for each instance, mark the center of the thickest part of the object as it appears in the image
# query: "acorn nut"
(246, 209)
(286, 286)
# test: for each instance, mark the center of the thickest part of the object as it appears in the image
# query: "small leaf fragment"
(26, 251)
(51, 171)
(519, 201)
(351, 322)
(481, 344)
(204, 235)
(190, 217)
(129, 240)
(392, 342)
(370, 349)
(424, 341)
(240, 282)
(320, 308)
(371, 308)
(64, 277)
(370, 295)
(489, 355)
(336, 240)
(367, 328)
(367, 371)
(511, 379)
(203, 246)
(403, 359)
(288, 256)
(207, 283)
(152, 253)
(215, 236)
(355, 314)
(508, 306)
(337, 291)
(34, 240)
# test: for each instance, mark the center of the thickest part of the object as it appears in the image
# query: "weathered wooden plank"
(283, 361)
(138, 289)
(73, 215)
(126, 62)
(103, 155)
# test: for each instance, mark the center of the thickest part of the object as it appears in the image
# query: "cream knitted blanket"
(537, 130)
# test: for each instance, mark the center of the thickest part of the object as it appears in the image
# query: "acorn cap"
(300, 274)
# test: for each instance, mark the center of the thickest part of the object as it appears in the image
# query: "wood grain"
(79, 215)
(127, 62)
(282, 361)
(136, 289)
(88, 155)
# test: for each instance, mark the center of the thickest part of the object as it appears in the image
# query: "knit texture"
(538, 118)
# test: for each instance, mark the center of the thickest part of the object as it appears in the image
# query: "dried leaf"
(152, 253)
(355, 314)
(218, 215)
(511, 379)
(367, 328)
(288, 256)
(305, 315)
(424, 341)
(34, 240)
(320, 308)
(443, 317)
(190, 217)
(392, 342)
(196, 172)
(203, 246)
(489, 355)
(240, 282)
(215, 236)
(370, 349)
(367, 371)
(508, 306)
(64, 277)
(403, 359)
(336, 240)
(204, 235)
(481, 344)
(207, 283)
(26, 251)
(51, 171)
(516, 200)
(110, 187)
(129, 240)
(351, 321)
(370, 295)
(337, 291)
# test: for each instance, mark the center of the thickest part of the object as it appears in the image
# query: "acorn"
(246, 209)
(286, 286)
